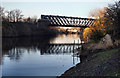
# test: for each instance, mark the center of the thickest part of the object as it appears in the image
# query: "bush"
(90, 34)
(86, 34)
(96, 36)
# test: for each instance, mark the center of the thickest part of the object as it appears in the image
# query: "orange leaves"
(87, 33)
(99, 23)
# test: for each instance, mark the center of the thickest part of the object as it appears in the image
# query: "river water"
(43, 56)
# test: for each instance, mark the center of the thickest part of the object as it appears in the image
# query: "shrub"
(90, 34)
(96, 36)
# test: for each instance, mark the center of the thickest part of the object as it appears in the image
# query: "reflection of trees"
(14, 47)
(15, 54)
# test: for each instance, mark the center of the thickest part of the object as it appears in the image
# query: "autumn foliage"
(107, 21)
(97, 30)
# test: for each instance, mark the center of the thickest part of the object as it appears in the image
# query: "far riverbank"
(24, 29)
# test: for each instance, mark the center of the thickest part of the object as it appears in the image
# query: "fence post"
(73, 46)
(78, 43)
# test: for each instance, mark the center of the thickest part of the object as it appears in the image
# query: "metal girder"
(65, 21)
(68, 21)
(61, 21)
(58, 21)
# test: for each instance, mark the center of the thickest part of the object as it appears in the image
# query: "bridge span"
(65, 21)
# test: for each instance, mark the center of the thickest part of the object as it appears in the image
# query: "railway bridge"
(65, 21)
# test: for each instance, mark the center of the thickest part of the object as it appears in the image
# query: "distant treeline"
(15, 25)
(23, 29)
(28, 43)
(15, 15)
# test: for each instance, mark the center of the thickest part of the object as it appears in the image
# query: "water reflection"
(14, 47)
(37, 56)
(66, 39)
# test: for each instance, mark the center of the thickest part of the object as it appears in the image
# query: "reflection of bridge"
(61, 48)
(17, 52)
(65, 21)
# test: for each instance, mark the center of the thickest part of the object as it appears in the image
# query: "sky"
(75, 8)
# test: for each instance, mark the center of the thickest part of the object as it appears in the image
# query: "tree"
(107, 22)
(28, 19)
(31, 19)
(99, 23)
(14, 15)
(2, 13)
(113, 15)
(96, 31)
(18, 15)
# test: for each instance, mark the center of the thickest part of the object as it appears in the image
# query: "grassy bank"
(103, 63)
(22, 29)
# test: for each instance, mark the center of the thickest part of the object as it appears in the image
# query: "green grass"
(105, 55)
(109, 52)
(101, 58)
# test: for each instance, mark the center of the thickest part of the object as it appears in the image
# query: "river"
(42, 56)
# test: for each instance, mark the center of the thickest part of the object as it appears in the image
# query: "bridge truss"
(65, 21)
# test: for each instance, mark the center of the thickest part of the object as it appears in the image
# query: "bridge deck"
(65, 44)
(52, 25)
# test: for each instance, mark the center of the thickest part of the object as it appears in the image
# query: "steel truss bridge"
(65, 21)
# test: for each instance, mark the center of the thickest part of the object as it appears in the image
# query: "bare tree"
(28, 19)
(10, 15)
(18, 15)
(2, 14)
(14, 15)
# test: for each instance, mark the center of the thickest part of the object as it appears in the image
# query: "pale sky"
(58, 0)
(75, 8)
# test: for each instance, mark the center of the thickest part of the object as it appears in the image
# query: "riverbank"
(97, 63)
(24, 29)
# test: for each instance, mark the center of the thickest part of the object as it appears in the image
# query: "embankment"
(97, 63)
(98, 59)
